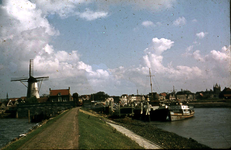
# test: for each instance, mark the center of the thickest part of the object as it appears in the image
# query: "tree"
(31, 100)
(76, 99)
(100, 96)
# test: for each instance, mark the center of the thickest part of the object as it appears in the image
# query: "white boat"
(172, 112)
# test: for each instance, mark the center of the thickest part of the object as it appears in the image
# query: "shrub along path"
(63, 134)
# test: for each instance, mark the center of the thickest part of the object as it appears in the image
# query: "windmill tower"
(33, 86)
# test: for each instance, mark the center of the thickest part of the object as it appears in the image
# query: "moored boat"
(172, 112)
(180, 112)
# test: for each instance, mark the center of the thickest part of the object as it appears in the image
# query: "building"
(60, 95)
(162, 96)
(209, 94)
(85, 97)
(124, 99)
(171, 96)
(185, 95)
(226, 93)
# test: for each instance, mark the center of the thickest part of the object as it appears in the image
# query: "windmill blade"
(23, 79)
(31, 67)
(42, 78)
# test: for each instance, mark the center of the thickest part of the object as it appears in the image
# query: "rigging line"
(145, 85)
(156, 84)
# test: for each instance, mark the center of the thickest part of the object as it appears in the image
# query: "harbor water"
(209, 126)
(12, 128)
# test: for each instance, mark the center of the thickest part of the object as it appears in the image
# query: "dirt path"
(63, 134)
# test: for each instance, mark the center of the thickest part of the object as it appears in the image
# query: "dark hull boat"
(172, 113)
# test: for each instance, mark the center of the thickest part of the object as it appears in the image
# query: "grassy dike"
(96, 134)
(18, 143)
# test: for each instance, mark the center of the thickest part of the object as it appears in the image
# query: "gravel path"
(63, 134)
(138, 139)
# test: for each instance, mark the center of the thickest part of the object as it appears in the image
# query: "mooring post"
(132, 110)
(119, 109)
(148, 112)
(29, 115)
(16, 114)
(111, 107)
(141, 110)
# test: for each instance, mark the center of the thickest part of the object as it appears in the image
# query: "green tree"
(76, 99)
(31, 100)
(100, 96)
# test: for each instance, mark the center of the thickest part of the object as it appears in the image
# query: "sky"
(109, 45)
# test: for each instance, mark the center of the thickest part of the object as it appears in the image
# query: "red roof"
(62, 92)
(13, 99)
(163, 94)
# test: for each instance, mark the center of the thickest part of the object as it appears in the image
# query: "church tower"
(216, 88)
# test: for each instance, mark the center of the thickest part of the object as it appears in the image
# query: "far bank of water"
(209, 126)
(11, 128)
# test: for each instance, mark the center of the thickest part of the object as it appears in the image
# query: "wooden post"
(29, 115)
(148, 112)
(132, 110)
(141, 110)
(16, 114)
(119, 109)
(111, 108)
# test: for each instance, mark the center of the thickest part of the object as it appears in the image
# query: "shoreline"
(210, 104)
(165, 139)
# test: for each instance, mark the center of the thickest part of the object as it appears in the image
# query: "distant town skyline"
(109, 46)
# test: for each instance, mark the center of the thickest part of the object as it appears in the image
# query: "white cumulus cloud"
(180, 21)
(148, 24)
(91, 15)
(201, 35)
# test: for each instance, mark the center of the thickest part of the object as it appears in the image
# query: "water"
(12, 128)
(209, 126)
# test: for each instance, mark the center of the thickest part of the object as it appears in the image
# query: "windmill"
(33, 87)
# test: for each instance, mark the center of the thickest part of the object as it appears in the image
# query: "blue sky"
(110, 45)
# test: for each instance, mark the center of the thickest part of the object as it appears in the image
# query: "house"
(60, 95)
(162, 96)
(171, 96)
(85, 97)
(209, 94)
(124, 99)
(3, 106)
(135, 98)
(109, 101)
(226, 93)
(185, 95)
(12, 102)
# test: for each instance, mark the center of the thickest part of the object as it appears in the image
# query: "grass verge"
(17, 144)
(96, 134)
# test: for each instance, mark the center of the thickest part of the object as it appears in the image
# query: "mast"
(150, 79)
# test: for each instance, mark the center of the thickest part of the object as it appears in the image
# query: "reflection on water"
(12, 128)
(209, 126)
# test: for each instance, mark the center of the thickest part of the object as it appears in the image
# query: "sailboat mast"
(150, 79)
